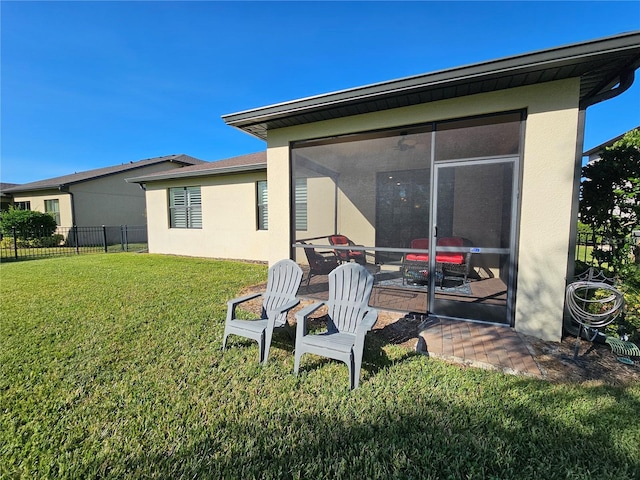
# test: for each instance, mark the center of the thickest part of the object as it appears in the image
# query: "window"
(22, 205)
(185, 207)
(262, 205)
(301, 203)
(52, 207)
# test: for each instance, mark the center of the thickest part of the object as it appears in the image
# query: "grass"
(111, 367)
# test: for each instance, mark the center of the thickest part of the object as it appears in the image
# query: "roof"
(600, 64)
(608, 143)
(66, 180)
(5, 186)
(239, 164)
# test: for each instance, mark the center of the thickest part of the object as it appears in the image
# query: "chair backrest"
(317, 263)
(420, 243)
(350, 287)
(450, 242)
(283, 281)
(339, 240)
(452, 257)
(312, 256)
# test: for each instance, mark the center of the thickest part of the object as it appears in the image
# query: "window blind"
(301, 203)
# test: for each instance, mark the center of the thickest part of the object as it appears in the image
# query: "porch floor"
(476, 344)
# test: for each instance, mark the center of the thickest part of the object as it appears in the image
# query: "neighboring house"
(5, 199)
(490, 153)
(594, 153)
(209, 210)
(96, 197)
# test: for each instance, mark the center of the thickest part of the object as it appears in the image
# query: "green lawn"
(111, 367)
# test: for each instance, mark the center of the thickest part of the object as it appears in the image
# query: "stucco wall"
(107, 200)
(229, 227)
(111, 200)
(37, 200)
(551, 134)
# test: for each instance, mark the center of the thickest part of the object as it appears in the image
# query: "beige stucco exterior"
(38, 198)
(111, 200)
(229, 225)
(546, 195)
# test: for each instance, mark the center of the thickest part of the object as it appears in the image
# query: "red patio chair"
(347, 255)
(415, 266)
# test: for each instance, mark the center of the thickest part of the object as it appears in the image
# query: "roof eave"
(198, 173)
(550, 58)
(66, 185)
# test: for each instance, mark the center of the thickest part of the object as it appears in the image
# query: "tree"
(610, 198)
(28, 224)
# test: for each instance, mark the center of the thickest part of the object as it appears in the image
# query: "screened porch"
(385, 198)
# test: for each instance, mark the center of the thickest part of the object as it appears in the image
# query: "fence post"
(75, 236)
(126, 239)
(104, 238)
(15, 242)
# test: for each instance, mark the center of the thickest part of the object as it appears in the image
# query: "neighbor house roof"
(242, 163)
(66, 180)
(5, 186)
(605, 67)
(608, 143)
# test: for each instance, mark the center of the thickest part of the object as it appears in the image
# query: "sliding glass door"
(474, 212)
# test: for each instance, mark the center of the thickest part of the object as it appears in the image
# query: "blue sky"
(91, 84)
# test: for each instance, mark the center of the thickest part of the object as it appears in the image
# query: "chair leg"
(261, 348)
(353, 380)
(296, 363)
(356, 359)
(268, 335)
(224, 340)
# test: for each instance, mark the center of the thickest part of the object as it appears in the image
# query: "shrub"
(610, 199)
(28, 224)
(629, 324)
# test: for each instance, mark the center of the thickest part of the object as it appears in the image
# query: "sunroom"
(396, 192)
(457, 189)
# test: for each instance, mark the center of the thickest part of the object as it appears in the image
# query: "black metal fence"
(587, 242)
(73, 241)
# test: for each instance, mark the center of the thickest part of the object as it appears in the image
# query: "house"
(593, 154)
(209, 210)
(481, 161)
(95, 197)
(5, 199)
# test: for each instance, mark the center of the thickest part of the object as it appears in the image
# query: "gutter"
(626, 80)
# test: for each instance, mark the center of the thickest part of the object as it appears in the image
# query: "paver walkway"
(478, 344)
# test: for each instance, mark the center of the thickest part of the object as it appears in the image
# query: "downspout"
(626, 80)
(65, 189)
(575, 204)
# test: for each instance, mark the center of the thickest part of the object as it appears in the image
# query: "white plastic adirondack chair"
(349, 320)
(283, 282)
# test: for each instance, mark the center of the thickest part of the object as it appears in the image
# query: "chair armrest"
(365, 325)
(327, 256)
(302, 315)
(234, 302)
(286, 307)
(368, 322)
